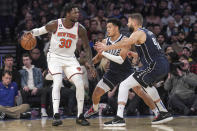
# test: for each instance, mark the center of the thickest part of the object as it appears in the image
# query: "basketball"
(28, 41)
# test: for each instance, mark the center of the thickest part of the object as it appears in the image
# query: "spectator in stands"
(162, 41)
(100, 16)
(32, 83)
(178, 46)
(182, 85)
(187, 52)
(156, 29)
(166, 17)
(8, 93)
(124, 28)
(188, 12)
(185, 27)
(93, 28)
(168, 29)
(153, 18)
(38, 59)
(191, 37)
(178, 19)
(116, 13)
(9, 65)
(8, 10)
(103, 26)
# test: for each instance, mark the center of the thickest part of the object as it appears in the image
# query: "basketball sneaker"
(90, 112)
(117, 121)
(56, 120)
(82, 121)
(163, 117)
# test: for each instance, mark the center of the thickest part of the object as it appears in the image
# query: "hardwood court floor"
(133, 124)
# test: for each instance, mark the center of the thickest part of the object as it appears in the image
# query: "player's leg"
(57, 83)
(99, 91)
(55, 69)
(153, 73)
(152, 91)
(78, 82)
(164, 116)
(122, 100)
(128, 83)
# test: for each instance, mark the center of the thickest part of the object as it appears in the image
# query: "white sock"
(161, 106)
(43, 111)
(95, 107)
(57, 82)
(120, 111)
(155, 111)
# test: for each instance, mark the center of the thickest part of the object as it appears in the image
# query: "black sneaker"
(82, 121)
(117, 121)
(25, 115)
(90, 112)
(56, 120)
(2, 115)
(163, 117)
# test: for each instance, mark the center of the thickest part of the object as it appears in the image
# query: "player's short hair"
(138, 17)
(115, 22)
(68, 8)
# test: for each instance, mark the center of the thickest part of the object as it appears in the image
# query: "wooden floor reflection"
(133, 124)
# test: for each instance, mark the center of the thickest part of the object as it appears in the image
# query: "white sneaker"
(43, 112)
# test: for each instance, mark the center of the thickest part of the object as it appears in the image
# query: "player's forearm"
(88, 55)
(39, 31)
(118, 45)
(117, 59)
(96, 59)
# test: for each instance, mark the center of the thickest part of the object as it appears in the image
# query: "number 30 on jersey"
(65, 43)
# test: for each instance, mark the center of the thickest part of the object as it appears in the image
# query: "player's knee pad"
(152, 91)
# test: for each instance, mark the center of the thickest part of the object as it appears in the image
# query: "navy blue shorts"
(152, 73)
(112, 78)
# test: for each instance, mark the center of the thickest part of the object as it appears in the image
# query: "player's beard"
(131, 29)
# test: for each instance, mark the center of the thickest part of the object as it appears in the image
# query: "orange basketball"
(28, 41)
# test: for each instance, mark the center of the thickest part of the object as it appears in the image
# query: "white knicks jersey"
(63, 41)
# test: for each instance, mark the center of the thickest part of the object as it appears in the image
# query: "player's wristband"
(39, 31)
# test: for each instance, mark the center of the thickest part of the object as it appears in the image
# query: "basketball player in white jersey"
(65, 34)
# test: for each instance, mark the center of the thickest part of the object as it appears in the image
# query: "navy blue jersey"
(150, 50)
(115, 67)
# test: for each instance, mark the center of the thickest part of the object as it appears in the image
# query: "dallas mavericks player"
(120, 69)
(155, 67)
(120, 65)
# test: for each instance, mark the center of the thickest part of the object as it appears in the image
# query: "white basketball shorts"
(69, 64)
